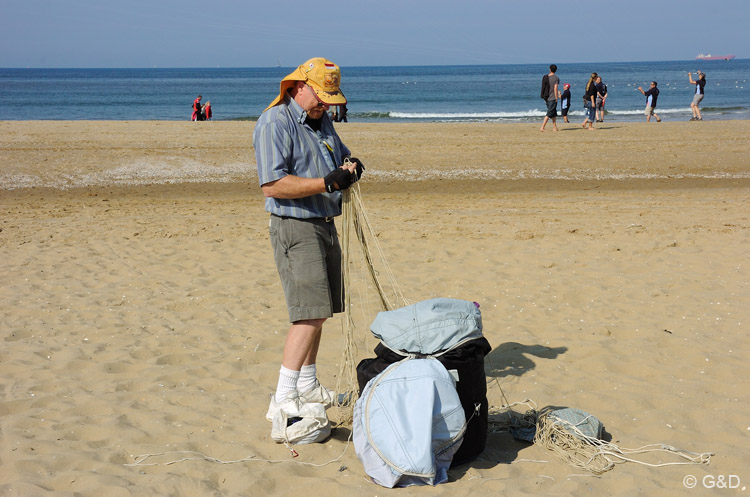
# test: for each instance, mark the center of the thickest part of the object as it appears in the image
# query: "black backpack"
(545, 87)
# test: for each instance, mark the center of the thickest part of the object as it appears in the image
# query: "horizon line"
(368, 66)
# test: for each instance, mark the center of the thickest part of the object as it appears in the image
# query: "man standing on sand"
(651, 95)
(700, 84)
(302, 168)
(550, 94)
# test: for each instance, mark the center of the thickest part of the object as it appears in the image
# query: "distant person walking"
(550, 93)
(196, 109)
(700, 85)
(589, 102)
(601, 99)
(565, 102)
(207, 114)
(651, 96)
(338, 114)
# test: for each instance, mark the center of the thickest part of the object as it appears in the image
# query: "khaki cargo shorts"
(308, 258)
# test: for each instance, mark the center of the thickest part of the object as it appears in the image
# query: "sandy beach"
(142, 313)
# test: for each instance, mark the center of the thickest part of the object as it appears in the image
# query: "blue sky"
(253, 33)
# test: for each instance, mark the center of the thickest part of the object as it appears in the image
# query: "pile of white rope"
(569, 443)
(597, 456)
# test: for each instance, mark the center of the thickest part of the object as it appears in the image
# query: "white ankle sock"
(308, 376)
(287, 383)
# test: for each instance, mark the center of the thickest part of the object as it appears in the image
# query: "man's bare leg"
(302, 343)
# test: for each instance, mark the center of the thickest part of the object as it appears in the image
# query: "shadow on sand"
(513, 358)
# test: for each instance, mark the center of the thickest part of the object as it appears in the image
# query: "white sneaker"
(291, 405)
(318, 394)
(322, 395)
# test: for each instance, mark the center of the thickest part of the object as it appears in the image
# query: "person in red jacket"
(197, 109)
(207, 111)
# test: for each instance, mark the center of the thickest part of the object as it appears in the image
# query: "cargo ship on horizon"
(708, 56)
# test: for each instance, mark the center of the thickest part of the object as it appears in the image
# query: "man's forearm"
(290, 187)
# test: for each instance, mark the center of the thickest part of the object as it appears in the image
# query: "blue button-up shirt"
(285, 145)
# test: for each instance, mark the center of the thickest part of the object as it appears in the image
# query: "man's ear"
(296, 88)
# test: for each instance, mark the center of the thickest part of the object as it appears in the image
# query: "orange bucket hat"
(322, 75)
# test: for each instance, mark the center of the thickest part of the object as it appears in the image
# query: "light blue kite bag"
(408, 424)
(429, 327)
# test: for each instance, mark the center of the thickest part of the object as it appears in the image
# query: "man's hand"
(339, 179)
(359, 167)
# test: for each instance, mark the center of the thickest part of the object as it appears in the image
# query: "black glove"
(360, 167)
(338, 179)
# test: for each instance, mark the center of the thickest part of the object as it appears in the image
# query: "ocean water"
(500, 93)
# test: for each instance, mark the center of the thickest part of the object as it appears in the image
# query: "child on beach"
(601, 99)
(565, 102)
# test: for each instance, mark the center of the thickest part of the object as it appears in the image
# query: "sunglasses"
(320, 102)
